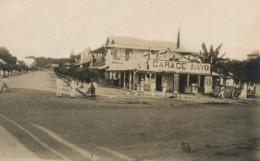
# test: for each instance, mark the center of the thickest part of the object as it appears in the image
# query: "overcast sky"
(52, 28)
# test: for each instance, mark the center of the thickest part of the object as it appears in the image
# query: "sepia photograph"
(129, 80)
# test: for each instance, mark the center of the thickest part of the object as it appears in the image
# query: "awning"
(215, 74)
(99, 67)
(121, 67)
(81, 63)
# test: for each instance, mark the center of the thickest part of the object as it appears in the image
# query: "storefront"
(181, 77)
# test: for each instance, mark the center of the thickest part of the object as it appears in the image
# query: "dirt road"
(123, 128)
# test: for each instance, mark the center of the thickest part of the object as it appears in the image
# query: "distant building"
(55, 65)
(128, 60)
(83, 58)
(253, 55)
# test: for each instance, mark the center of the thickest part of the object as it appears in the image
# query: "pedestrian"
(222, 92)
(3, 86)
(73, 86)
(152, 87)
(138, 93)
(93, 87)
(164, 88)
(142, 87)
(59, 87)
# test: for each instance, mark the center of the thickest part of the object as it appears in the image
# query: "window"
(127, 53)
(113, 53)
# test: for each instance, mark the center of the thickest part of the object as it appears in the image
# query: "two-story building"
(127, 61)
(83, 59)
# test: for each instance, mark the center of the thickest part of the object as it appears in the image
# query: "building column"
(199, 78)
(130, 80)
(188, 80)
(150, 80)
(119, 78)
(124, 79)
(134, 79)
(176, 84)
(155, 75)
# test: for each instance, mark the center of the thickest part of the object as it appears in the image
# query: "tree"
(6, 56)
(212, 56)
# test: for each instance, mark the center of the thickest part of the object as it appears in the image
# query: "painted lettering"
(192, 66)
(172, 66)
(178, 65)
(167, 64)
(155, 63)
(206, 67)
(183, 65)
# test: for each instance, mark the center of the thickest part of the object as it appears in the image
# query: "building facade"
(126, 61)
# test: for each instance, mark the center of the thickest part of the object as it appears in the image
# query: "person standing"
(152, 87)
(59, 87)
(93, 87)
(164, 88)
(142, 87)
(73, 86)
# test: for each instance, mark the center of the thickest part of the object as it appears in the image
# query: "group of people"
(73, 87)
(140, 88)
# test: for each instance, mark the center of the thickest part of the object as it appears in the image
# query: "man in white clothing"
(73, 86)
(59, 87)
(93, 87)
(164, 88)
(152, 87)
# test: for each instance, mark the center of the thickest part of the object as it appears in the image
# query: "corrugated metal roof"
(134, 43)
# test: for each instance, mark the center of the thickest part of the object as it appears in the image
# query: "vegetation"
(240, 71)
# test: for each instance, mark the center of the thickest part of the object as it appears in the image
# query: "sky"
(53, 28)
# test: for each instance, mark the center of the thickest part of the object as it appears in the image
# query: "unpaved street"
(34, 124)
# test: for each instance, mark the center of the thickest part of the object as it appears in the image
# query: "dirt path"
(137, 128)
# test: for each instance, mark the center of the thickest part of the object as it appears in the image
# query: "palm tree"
(212, 56)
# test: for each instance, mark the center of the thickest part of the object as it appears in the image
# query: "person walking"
(3, 86)
(93, 87)
(73, 86)
(59, 87)
(164, 88)
(152, 87)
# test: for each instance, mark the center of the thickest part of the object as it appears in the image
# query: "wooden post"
(155, 75)
(150, 75)
(176, 83)
(124, 79)
(130, 80)
(199, 78)
(119, 78)
(188, 80)
(134, 80)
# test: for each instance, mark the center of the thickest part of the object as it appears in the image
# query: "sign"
(179, 67)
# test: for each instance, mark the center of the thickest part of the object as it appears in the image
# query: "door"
(182, 83)
(159, 82)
